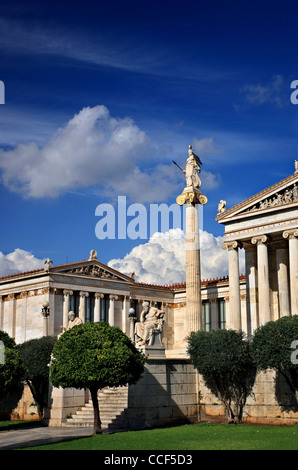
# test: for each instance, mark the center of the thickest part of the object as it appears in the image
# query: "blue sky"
(100, 97)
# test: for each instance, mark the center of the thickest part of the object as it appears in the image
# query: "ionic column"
(234, 284)
(263, 278)
(97, 297)
(292, 236)
(193, 277)
(251, 268)
(214, 314)
(82, 306)
(66, 306)
(125, 318)
(112, 309)
(282, 281)
(1, 312)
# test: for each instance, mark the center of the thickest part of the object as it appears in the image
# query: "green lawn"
(190, 437)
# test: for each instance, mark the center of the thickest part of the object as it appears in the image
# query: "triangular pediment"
(281, 195)
(91, 268)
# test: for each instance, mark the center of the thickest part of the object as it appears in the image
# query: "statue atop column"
(192, 169)
(191, 192)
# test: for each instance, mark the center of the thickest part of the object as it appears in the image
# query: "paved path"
(39, 435)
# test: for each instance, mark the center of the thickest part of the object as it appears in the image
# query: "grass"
(189, 437)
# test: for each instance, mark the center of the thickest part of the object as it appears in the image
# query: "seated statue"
(151, 319)
(72, 321)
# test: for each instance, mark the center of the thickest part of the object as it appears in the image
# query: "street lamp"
(45, 311)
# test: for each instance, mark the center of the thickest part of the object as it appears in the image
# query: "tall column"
(192, 196)
(1, 312)
(97, 301)
(82, 306)
(125, 317)
(193, 278)
(66, 306)
(292, 236)
(251, 267)
(282, 281)
(234, 284)
(214, 314)
(263, 278)
(112, 309)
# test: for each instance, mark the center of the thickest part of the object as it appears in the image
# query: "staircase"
(112, 403)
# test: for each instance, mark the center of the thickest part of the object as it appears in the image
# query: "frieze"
(286, 196)
(247, 232)
(92, 270)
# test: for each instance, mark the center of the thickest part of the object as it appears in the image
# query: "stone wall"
(165, 395)
(271, 402)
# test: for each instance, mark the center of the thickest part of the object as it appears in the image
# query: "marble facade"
(264, 225)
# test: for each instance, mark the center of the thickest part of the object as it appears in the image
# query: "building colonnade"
(259, 278)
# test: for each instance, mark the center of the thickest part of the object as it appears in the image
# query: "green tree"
(223, 359)
(93, 356)
(36, 356)
(11, 373)
(272, 348)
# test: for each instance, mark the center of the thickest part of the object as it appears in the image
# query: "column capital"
(67, 292)
(293, 233)
(113, 297)
(98, 295)
(231, 245)
(261, 239)
(84, 294)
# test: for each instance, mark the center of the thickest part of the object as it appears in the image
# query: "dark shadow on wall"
(9, 401)
(161, 397)
(286, 396)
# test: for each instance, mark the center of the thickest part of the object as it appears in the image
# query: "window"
(207, 315)
(222, 314)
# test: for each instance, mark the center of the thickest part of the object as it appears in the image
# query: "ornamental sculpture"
(191, 193)
(151, 322)
(287, 196)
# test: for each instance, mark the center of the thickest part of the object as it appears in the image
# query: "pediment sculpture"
(286, 196)
(92, 270)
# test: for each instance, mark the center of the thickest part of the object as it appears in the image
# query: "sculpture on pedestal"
(151, 322)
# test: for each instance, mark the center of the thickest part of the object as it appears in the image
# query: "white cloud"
(269, 93)
(93, 148)
(18, 261)
(162, 259)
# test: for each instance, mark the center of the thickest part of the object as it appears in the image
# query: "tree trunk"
(97, 423)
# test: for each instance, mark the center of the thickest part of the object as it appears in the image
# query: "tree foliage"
(93, 356)
(272, 348)
(36, 356)
(11, 373)
(223, 359)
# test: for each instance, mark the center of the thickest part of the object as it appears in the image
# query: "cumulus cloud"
(95, 150)
(88, 150)
(18, 261)
(162, 259)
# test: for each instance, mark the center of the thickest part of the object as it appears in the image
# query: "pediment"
(282, 195)
(91, 269)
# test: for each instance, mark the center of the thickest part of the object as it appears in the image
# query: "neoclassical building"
(37, 303)
(266, 226)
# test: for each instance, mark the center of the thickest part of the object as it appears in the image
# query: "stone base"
(154, 352)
